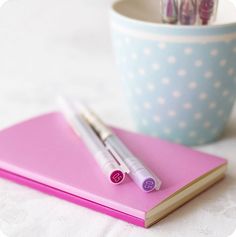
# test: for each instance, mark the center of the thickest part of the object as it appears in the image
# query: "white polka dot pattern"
(181, 92)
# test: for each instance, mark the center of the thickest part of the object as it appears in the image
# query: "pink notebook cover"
(44, 153)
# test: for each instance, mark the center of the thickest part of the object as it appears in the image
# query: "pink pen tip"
(117, 177)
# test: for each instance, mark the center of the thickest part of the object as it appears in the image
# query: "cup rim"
(170, 26)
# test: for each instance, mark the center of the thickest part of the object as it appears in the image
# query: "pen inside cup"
(189, 12)
(207, 10)
(169, 10)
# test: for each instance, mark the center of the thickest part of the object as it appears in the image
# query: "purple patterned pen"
(188, 12)
(170, 11)
(206, 8)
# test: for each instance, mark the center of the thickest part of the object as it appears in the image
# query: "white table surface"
(48, 47)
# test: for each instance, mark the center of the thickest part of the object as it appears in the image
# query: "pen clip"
(122, 163)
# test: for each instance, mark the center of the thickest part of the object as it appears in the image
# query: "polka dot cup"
(180, 81)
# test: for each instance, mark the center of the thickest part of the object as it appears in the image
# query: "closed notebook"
(44, 153)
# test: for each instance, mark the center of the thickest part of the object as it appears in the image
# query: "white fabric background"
(2, 2)
(53, 46)
(233, 234)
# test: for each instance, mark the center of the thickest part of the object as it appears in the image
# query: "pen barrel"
(94, 120)
(102, 130)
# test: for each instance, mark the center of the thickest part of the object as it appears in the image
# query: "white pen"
(143, 177)
(105, 160)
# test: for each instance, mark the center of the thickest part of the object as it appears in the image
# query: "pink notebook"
(44, 153)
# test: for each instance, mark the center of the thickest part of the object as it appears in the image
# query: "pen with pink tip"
(114, 171)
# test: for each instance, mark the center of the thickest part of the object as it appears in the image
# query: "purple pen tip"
(149, 185)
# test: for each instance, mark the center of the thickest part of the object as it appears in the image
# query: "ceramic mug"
(179, 80)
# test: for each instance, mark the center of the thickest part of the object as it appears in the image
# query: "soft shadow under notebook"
(44, 153)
